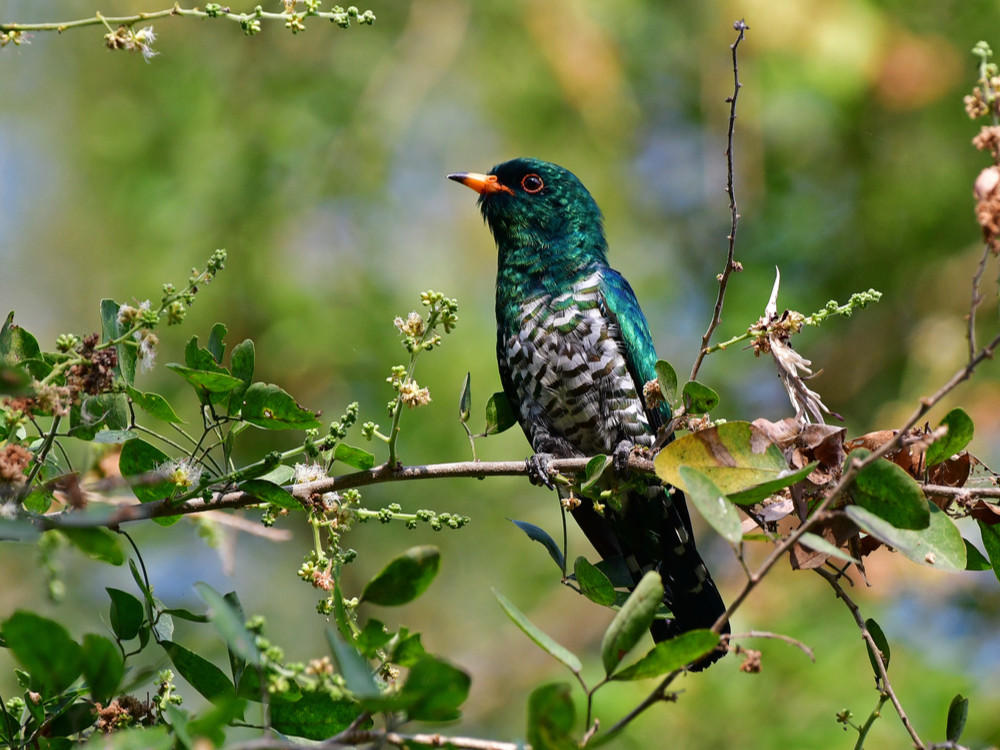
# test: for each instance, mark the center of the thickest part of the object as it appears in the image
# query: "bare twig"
(378, 475)
(731, 265)
(886, 686)
(355, 737)
(775, 636)
(975, 301)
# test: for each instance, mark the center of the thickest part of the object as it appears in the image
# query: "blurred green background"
(318, 161)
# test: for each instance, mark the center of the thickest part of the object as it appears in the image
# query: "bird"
(574, 352)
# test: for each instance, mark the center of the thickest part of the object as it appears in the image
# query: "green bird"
(574, 352)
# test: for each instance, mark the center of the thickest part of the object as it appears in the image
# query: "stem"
(741, 27)
(98, 19)
(875, 714)
(880, 667)
(398, 411)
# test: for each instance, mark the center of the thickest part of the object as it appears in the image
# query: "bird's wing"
(622, 309)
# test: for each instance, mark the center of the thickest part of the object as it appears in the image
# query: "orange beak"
(484, 184)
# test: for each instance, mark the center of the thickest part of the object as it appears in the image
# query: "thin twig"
(354, 737)
(741, 27)
(879, 665)
(975, 300)
(775, 636)
(176, 10)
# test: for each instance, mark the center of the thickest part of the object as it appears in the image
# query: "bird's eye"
(532, 183)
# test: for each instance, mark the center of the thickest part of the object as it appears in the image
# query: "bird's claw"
(621, 456)
(538, 470)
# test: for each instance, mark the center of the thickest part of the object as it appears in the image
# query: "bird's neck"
(526, 271)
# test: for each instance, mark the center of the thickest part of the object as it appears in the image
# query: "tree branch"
(880, 667)
(731, 265)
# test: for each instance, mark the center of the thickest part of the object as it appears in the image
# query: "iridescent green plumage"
(574, 351)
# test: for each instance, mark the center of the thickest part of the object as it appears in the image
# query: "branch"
(241, 18)
(354, 737)
(880, 667)
(775, 636)
(975, 300)
(378, 475)
(731, 265)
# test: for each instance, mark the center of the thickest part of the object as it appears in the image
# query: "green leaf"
(974, 559)
(242, 363)
(940, 545)
(541, 639)
(208, 380)
(499, 416)
(19, 530)
(595, 468)
(372, 637)
(102, 667)
(712, 504)
(991, 542)
(889, 492)
(405, 577)
(958, 712)
(128, 352)
(593, 583)
(270, 492)
(115, 437)
(666, 377)
(353, 668)
(465, 399)
(551, 716)
(539, 535)
(203, 676)
(216, 344)
(408, 651)
(44, 648)
(154, 405)
(698, 398)
(766, 489)
(212, 723)
(238, 662)
(616, 569)
(140, 461)
(126, 614)
(734, 455)
(152, 738)
(344, 625)
(316, 715)
(97, 543)
(883, 645)
(434, 690)
(280, 475)
(357, 458)
(185, 614)
(960, 431)
(269, 407)
(229, 622)
(108, 408)
(819, 544)
(632, 620)
(16, 344)
(671, 654)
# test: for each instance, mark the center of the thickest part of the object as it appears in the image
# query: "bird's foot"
(620, 457)
(538, 469)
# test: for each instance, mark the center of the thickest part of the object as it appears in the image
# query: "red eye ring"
(532, 183)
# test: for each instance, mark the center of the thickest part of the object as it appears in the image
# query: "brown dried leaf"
(836, 528)
(988, 513)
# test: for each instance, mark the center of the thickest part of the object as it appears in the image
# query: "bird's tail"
(654, 533)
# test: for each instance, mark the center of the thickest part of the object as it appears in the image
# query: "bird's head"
(537, 207)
